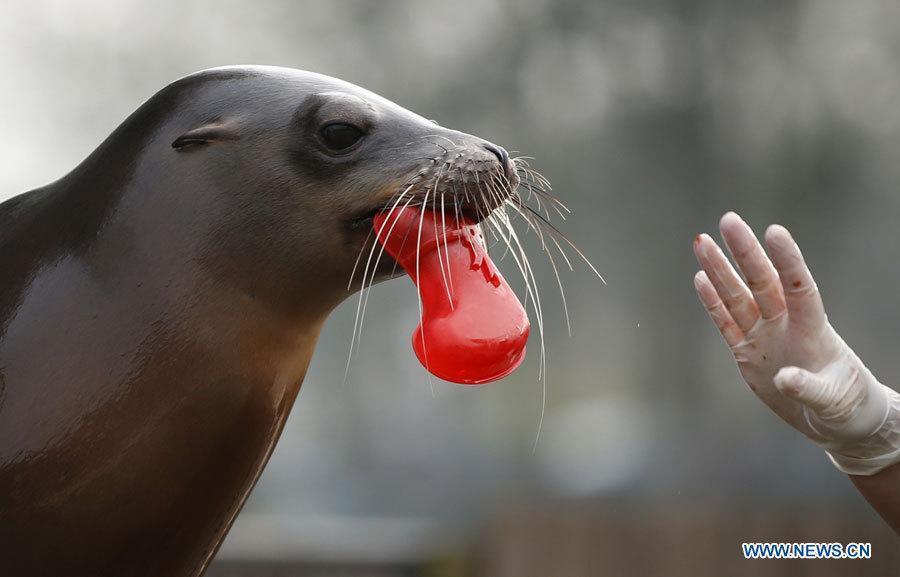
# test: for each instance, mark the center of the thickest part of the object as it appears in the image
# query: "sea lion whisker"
(419, 290)
(528, 215)
(542, 374)
(526, 210)
(357, 323)
(365, 292)
(545, 223)
(444, 274)
(465, 186)
(536, 303)
(503, 185)
(483, 207)
(521, 160)
(370, 233)
(446, 250)
(537, 196)
(359, 258)
(455, 202)
(497, 195)
(487, 192)
(490, 196)
(368, 290)
(538, 177)
(440, 136)
(546, 249)
(402, 246)
(528, 174)
(506, 248)
(561, 251)
(529, 277)
(501, 192)
(537, 190)
(497, 230)
(550, 227)
(536, 222)
(531, 226)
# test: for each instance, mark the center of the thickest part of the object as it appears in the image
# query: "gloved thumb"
(804, 387)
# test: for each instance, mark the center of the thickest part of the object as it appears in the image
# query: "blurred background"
(651, 118)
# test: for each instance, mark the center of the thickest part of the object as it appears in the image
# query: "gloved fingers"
(804, 387)
(756, 266)
(804, 303)
(732, 291)
(716, 310)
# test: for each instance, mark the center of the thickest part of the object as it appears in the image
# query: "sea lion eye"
(340, 136)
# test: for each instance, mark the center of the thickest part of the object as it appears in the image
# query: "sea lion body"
(160, 304)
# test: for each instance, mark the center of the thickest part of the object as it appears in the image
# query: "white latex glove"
(789, 354)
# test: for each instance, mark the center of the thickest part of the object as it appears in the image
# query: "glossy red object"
(473, 328)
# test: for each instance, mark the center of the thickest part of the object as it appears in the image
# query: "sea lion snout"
(457, 175)
(465, 175)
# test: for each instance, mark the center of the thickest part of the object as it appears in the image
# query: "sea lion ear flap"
(215, 131)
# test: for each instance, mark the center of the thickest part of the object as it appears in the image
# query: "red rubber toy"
(473, 328)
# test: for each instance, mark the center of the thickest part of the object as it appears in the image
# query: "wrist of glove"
(847, 412)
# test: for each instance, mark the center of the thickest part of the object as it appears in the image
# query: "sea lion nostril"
(499, 152)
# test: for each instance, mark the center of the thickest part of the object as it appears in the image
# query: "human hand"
(789, 354)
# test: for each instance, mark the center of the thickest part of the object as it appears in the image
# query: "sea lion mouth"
(363, 221)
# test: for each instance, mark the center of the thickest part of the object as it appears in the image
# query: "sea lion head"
(291, 166)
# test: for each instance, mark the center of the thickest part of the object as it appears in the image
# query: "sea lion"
(159, 305)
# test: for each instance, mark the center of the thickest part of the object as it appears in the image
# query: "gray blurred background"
(651, 119)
